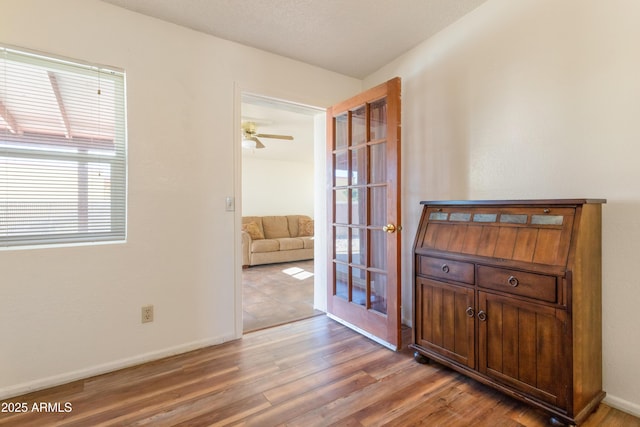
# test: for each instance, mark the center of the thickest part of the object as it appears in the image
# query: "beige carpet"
(274, 294)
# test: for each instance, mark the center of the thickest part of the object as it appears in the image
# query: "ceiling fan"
(250, 136)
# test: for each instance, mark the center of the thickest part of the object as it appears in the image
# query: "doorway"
(279, 178)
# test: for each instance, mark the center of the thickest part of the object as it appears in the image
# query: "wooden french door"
(364, 197)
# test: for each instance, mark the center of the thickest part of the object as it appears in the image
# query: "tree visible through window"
(62, 151)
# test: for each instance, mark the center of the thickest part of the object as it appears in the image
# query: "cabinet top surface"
(513, 202)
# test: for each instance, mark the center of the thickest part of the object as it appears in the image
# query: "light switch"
(230, 204)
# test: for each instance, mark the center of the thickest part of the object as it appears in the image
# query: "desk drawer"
(446, 269)
(531, 285)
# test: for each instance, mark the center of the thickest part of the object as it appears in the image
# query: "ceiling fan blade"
(266, 135)
(259, 144)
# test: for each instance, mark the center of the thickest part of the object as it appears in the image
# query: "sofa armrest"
(246, 249)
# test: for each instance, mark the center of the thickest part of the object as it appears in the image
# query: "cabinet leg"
(420, 358)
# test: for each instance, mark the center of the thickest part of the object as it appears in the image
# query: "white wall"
(536, 99)
(274, 187)
(72, 312)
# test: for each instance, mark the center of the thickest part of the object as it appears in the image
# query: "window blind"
(62, 151)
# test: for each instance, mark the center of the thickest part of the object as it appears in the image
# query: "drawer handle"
(470, 311)
(445, 268)
(513, 281)
(482, 315)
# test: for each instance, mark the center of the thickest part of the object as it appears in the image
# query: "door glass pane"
(341, 252)
(378, 163)
(358, 126)
(379, 292)
(342, 281)
(378, 249)
(359, 246)
(342, 206)
(359, 206)
(342, 131)
(342, 168)
(378, 118)
(358, 165)
(359, 290)
(378, 206)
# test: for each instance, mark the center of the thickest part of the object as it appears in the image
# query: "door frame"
(320, 206)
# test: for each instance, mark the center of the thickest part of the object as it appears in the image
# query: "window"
(62, 151)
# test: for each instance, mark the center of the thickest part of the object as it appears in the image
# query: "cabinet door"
(445, 320)
(520, 344)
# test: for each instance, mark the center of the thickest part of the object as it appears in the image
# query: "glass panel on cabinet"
(513, 218)
(547, 219)
(459, 216)
(484, 217)
(438, 216)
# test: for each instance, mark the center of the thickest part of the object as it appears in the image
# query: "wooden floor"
(314, 372)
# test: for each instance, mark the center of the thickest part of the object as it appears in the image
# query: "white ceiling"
(351, 37)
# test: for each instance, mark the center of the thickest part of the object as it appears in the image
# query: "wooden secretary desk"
(509, 293)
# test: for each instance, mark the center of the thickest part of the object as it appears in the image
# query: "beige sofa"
(271, 239)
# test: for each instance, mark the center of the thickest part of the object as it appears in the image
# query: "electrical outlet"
(147, 314)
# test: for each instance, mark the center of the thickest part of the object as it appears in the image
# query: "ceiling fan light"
(248, 144)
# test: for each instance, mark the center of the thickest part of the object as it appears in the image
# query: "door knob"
(389, 228)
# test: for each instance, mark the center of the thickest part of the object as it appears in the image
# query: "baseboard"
(623, 405)
(80, 374)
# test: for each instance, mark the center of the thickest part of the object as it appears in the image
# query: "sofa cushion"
(254, 231)
(265, 245)
(305, 226)
(290, 243)
(275, 227)
(307, 242)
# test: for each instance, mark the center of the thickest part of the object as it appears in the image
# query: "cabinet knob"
(470, 311)
(482, 315)
(445, 268)
(513, 281)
